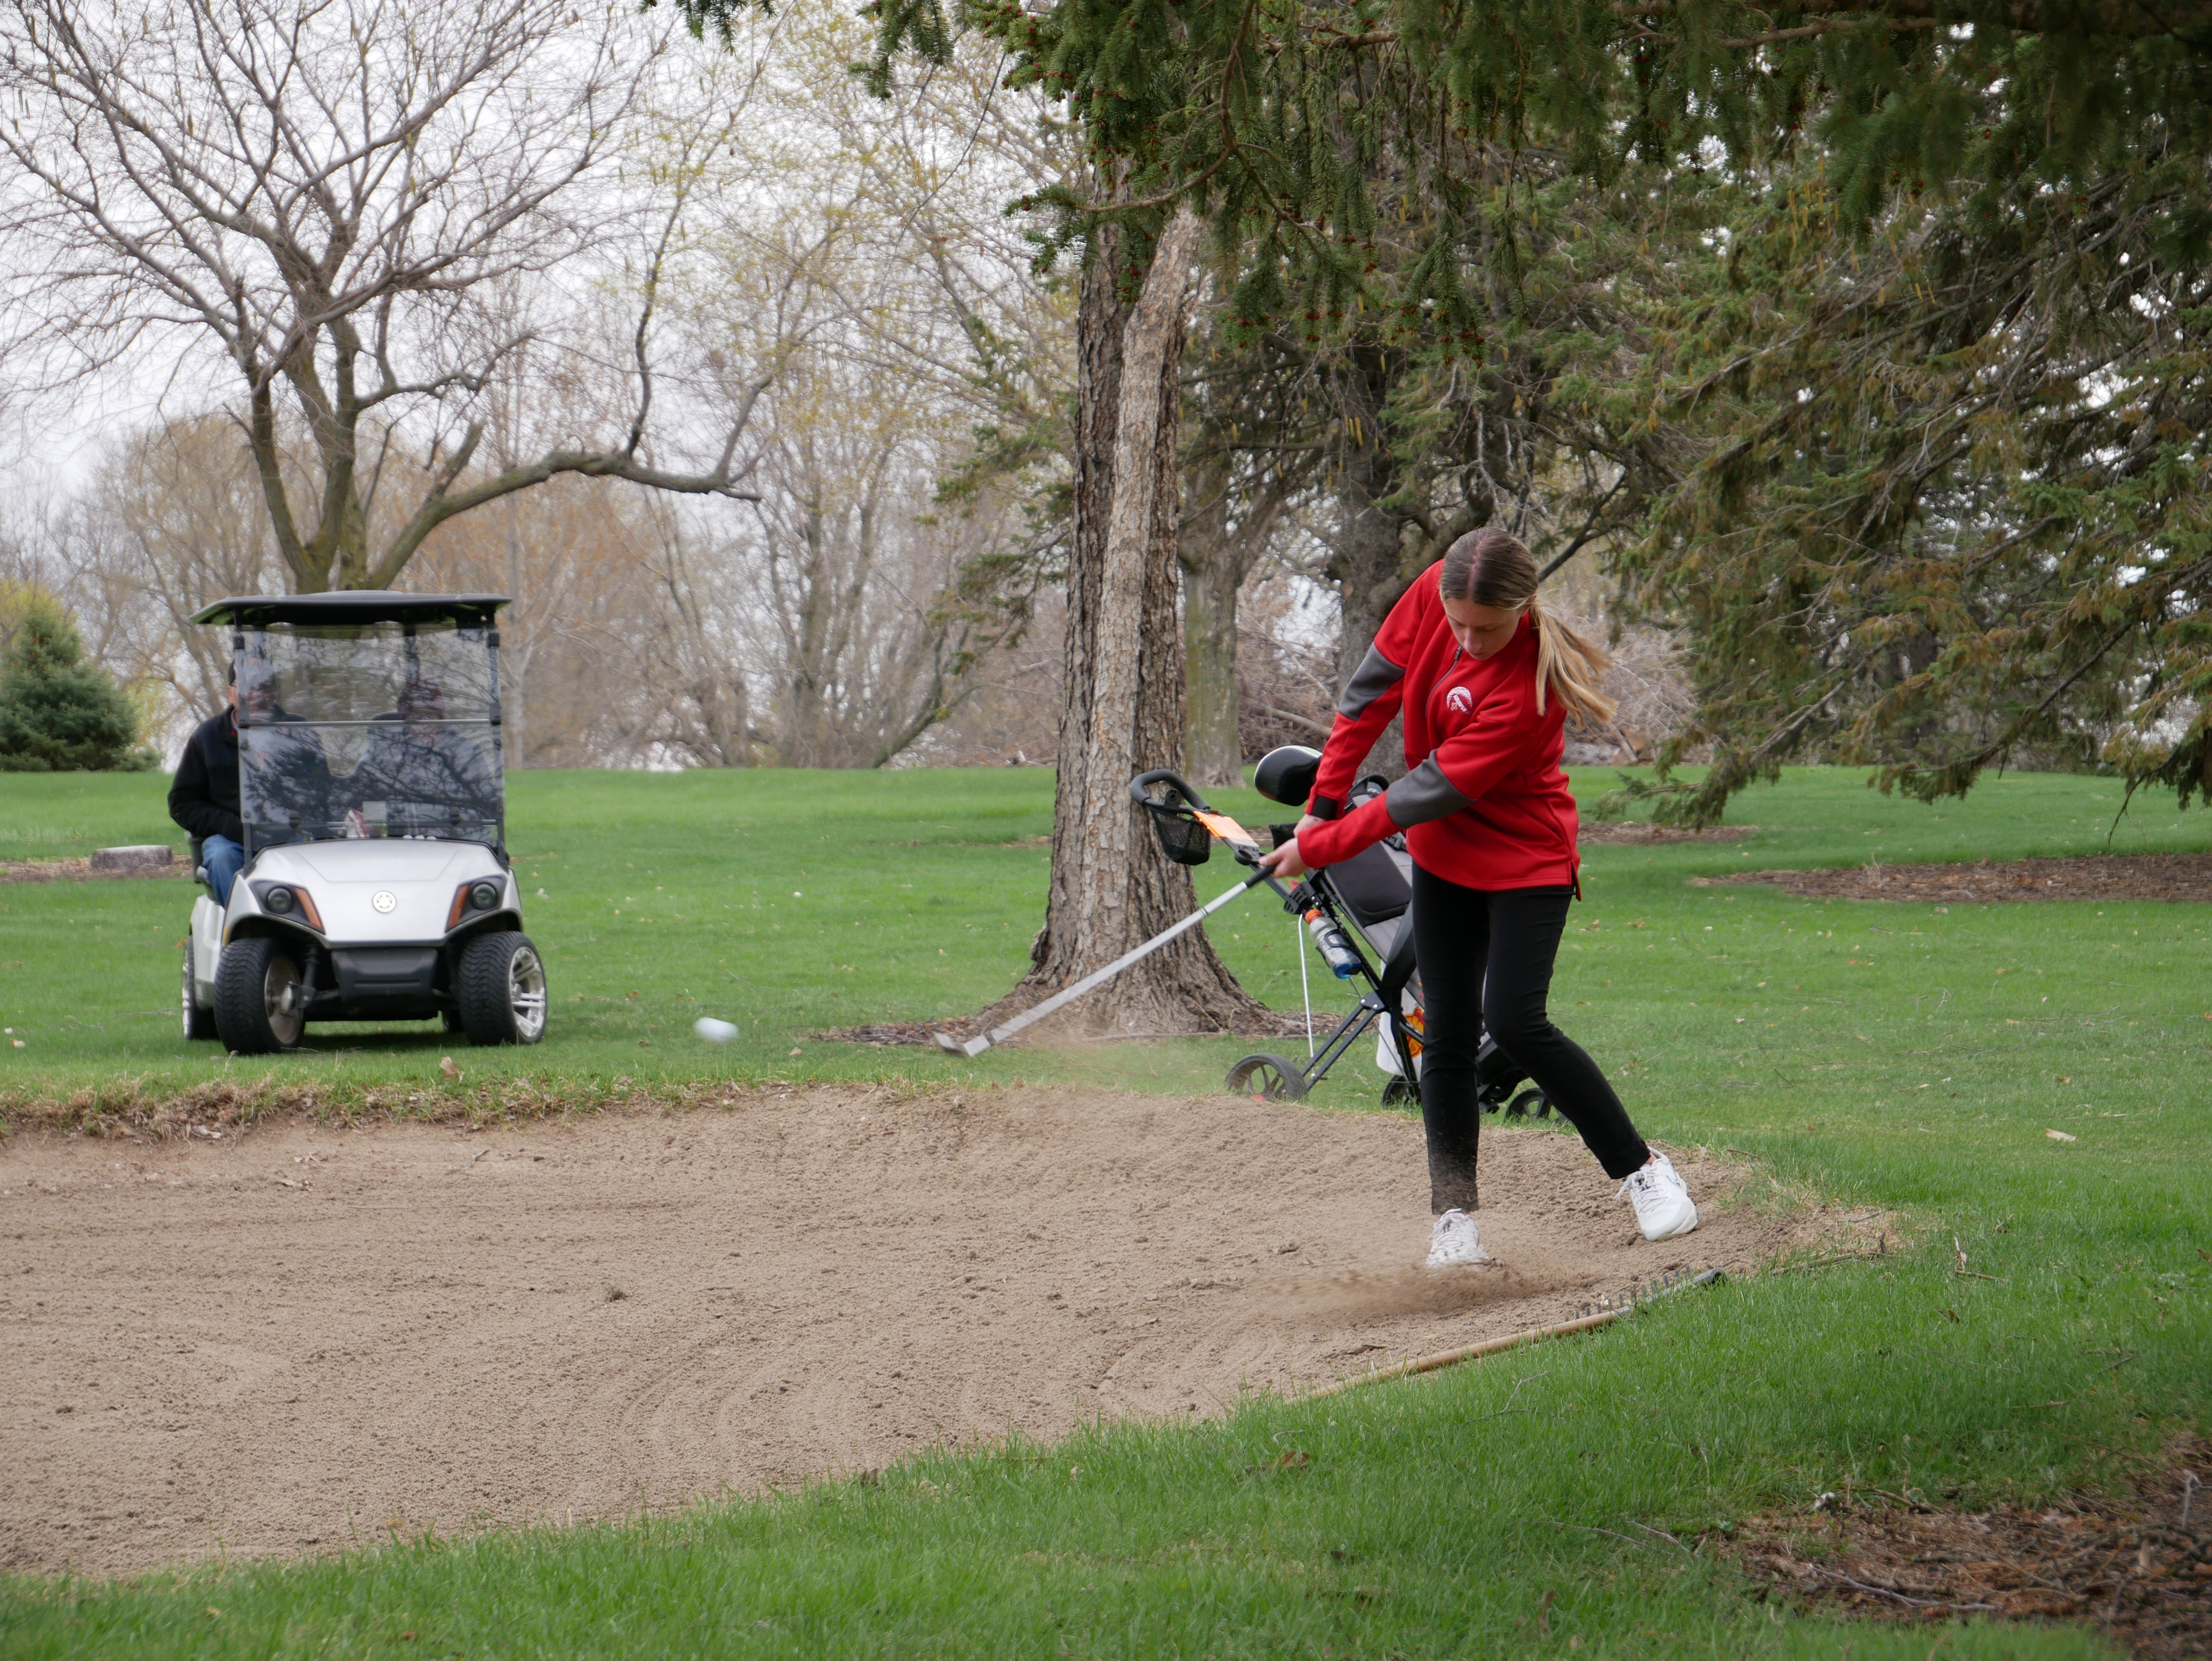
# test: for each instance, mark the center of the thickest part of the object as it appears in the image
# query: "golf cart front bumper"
(381, 921)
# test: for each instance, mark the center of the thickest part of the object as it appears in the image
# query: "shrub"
(57, 713)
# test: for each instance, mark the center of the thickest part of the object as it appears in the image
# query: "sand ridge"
(294, 1337)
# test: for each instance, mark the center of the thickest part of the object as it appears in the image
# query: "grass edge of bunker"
(1895, 1054)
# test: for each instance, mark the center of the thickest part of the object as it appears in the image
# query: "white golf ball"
(715, 1032)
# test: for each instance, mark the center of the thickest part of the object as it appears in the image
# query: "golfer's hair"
(1490, 568)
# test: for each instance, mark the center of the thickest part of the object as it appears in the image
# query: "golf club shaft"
(1059, 1000)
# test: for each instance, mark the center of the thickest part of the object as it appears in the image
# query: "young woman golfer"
(1486, 682)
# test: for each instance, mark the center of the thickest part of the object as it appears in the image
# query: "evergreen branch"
(1813, 31)
(2128, 20)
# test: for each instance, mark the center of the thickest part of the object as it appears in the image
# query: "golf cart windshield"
(370, 729)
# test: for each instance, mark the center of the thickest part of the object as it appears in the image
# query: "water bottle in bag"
(1328, 939)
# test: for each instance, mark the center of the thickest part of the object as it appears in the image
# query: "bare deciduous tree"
(331, 194)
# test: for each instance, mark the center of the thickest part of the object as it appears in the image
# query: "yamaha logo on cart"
(384, 899)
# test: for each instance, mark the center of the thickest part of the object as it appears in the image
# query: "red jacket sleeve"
(1340, 839)
(1465, 767)
(1371, 699)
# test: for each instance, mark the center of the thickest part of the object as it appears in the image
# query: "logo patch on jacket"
(1459, 700)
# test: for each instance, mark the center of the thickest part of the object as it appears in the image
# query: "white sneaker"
(1662, 1202)
(1454, 1243)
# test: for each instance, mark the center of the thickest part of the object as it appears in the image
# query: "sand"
(292, 1338)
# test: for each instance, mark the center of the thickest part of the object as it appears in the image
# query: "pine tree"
(1950, 508)
(57, 713)
(1886, 320)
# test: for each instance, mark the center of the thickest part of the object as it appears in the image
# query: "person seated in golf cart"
(420, 773)
(203, 795)
(204, 798)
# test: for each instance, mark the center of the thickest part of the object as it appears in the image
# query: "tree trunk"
(1215, 561)
(1213, 755)
(1111, 886)
(1369, 579)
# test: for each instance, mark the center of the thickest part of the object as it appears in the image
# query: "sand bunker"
(293, 1338)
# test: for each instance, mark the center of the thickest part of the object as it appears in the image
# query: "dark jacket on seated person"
(204, 798)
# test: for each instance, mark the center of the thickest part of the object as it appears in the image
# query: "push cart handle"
(1143, 782)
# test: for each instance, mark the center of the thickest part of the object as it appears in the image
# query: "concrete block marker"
(144, 857)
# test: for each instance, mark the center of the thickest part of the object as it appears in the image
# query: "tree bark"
(1366, 563)
(1213, 754)
(1216, 558)
(1111, 886)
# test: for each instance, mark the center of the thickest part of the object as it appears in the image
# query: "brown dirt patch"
(1270, 1024)
(2082, 877)
(284, 1340)
(1652, 836)
(81, 871)
(2139, 1568)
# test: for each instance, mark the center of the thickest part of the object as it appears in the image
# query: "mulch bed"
(81, 871)
(1292, 1025)
(1654, 836)
(2139, 1568)
(2083, 877)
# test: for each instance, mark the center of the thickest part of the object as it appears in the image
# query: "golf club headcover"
(1285, 774)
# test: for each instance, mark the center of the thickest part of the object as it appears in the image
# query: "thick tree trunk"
(1366, 563)
(1213, 753)
(1216, 558)
(1111, 886)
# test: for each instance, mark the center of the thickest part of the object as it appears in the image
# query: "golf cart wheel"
(1266, 1079)
(501, 984)
(1530, 1104)
(450, 1021)
(199, 1023)
(258, 1003)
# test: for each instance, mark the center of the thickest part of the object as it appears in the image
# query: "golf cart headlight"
(294, 905)
(471, 897)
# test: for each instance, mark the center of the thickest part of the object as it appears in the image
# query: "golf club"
(1240, 842)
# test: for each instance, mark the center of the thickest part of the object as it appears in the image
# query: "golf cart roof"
(350, 606)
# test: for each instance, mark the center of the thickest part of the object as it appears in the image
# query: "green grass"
(1906, 1055)
(797, 903)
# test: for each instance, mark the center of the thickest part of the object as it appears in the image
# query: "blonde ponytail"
(1490, 568)
(1572, 665)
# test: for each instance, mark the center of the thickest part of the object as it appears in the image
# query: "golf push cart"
(376, 885)
(1365, 902)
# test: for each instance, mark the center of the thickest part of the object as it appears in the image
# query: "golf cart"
(376, 885)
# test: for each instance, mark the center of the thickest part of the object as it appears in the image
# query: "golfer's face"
(1482, 631)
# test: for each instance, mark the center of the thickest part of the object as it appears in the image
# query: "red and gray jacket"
(1485, 804)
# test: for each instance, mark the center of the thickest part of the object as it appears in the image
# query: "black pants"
(1485, 960)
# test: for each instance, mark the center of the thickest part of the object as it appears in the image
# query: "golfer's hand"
(1285, 862)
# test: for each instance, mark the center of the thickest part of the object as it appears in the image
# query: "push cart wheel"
(500, 986)
(1266, 1078)
(199, 1023)
(1530, 1104)
(1397, 1091)
(258, 1006)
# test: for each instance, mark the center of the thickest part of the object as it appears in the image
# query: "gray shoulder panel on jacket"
(1423, 795)
(1375, 675)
